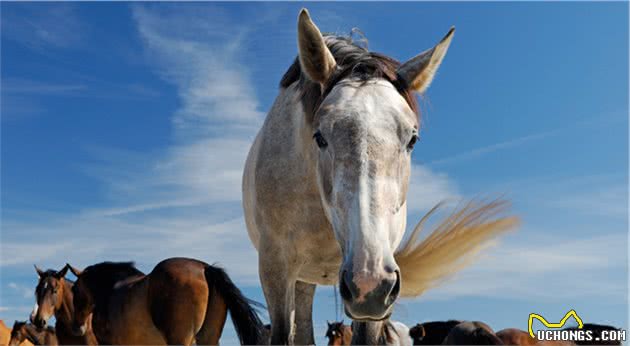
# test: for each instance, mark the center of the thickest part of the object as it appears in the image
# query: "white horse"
(325, 188)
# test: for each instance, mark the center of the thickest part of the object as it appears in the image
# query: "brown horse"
(472, 333)
(431, 333)
(513, 336)
(180, 302)
(5, 336)
(38, 336)
(338, 333)
(53, 295)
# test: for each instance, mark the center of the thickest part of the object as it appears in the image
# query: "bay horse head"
(48, 295)
(365, 122)
(338, 333)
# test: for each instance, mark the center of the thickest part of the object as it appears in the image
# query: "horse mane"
(102, 277)
(353, 62)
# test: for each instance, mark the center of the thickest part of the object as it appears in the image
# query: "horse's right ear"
(316, 60)
(39, 271)
(74, 270)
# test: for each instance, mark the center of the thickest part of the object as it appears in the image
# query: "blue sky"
(125, 128)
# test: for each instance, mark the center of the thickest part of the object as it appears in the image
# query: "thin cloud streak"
(478, 152)
(605, 120)
(43, 26)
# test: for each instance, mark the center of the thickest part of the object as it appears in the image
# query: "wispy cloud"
(545, 268)
(428, 187)
(608, 201)
(471, 154)
(42, 26)
(478, 152)
(24, 86)
(183, 201)
(25, 292)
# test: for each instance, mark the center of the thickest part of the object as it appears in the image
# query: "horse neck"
(369, 333)
(291, 114)
(64, 313)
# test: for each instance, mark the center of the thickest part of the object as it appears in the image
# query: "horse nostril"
(393, 294)
(344, 290)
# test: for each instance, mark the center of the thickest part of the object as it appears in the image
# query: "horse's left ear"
(418, 72)
(62, 273)
(316, 60)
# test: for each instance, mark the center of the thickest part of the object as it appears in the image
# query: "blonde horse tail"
(452, 245)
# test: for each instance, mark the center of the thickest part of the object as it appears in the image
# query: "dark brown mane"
(102, 277)
(353, 61)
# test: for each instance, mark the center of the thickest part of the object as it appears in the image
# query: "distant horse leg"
(213, 324)
(279, 288)
(304, 294)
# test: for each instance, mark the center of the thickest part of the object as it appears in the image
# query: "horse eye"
(412, 142)
(321, 142)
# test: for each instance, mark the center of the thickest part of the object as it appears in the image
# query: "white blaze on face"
(34, 312)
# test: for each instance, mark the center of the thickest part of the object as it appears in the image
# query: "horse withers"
(181, 302)
(325, 186)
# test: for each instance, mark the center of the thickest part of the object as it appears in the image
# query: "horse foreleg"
(304, 293)
(279, 289)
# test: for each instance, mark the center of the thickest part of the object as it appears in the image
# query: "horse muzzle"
(38, 322)
(368, 297)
